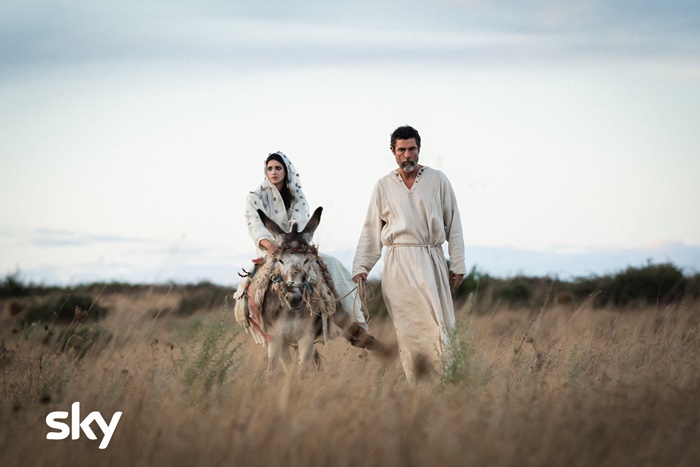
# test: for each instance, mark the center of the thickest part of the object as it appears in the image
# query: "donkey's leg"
(285, 356)
(306, 353)
(274, 348)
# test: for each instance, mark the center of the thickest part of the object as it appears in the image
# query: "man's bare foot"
(359, 337)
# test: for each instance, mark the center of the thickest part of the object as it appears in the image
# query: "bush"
(12, 286)
(662, 283)
(651, 284)
(692, 287)
(516, 292)
(203, 296)
(472, 282)
(62, 309)
(210, 359)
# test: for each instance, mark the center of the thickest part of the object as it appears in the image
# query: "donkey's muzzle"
(294, 298)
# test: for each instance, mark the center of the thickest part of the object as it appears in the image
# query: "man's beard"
(408, 166)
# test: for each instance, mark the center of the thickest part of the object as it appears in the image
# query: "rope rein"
(365, 292)
(363, 295)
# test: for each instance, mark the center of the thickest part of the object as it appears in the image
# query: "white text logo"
(77, 425)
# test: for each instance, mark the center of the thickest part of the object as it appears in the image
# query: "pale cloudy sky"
(130, 132)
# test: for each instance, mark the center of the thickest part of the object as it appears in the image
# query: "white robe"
(413, 224)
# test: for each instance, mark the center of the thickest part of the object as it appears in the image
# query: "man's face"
(406, 153)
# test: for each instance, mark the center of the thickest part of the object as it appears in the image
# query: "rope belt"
(413, 245)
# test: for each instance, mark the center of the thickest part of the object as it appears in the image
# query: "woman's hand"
(266, 244)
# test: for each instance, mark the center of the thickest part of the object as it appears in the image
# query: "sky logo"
(77, 425)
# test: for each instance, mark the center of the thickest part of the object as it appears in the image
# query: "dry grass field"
(565, 386)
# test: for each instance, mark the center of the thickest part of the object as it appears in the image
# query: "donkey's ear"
(270, 224)
(311, 226)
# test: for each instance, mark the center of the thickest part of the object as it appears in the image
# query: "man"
(412, 212)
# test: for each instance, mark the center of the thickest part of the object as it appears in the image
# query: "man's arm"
(369, 246)
(453, 233)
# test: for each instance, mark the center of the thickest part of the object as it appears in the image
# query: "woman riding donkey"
(281, 198)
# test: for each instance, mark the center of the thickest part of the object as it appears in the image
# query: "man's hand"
(362, 275)
(456, 280)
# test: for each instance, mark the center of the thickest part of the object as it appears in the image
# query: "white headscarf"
(268, 199)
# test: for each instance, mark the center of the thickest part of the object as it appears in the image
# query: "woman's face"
(275, 173)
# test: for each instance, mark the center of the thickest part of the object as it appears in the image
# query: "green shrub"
(458, 363)
(61, 309)
(210, 358)
(12, 286)
(472, 282)
(516, 292)
(692, 287)
(203, 296)
(461, 365)
(651, 284)
(661, 283)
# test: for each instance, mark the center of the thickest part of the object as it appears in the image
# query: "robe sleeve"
(453, 228)
(299, 211)
(369, 247)
(256, 229)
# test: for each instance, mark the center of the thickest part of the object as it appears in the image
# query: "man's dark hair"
(405, 132)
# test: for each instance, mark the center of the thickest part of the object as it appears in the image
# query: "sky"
(131, 131)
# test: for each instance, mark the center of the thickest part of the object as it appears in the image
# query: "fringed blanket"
(317, 293)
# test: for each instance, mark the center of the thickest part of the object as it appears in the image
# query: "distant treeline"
(634, 287)
(653, 284)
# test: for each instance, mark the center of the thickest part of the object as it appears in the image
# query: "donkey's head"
(294, 255)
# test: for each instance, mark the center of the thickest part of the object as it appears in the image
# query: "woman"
(281, 198)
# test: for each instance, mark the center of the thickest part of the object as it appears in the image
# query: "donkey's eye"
(281, 262)
(306, 261)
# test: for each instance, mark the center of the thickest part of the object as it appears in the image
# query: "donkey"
(297, 301)
(290, 302)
